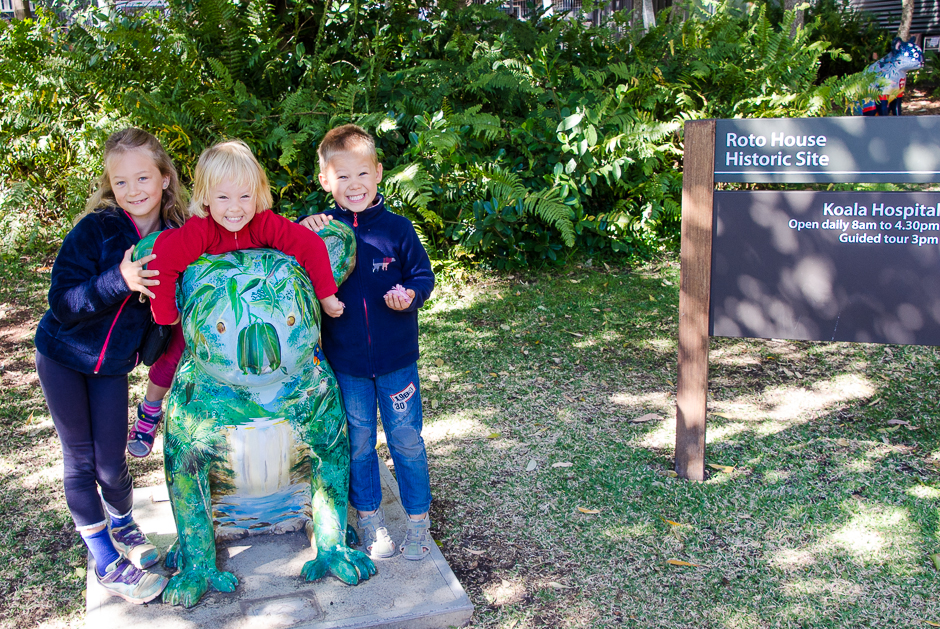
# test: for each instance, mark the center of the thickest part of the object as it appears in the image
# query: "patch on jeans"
(400, 399)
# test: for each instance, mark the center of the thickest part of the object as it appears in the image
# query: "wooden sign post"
(698, 191)
(823, 266)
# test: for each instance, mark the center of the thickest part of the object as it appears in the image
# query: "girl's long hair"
(173, 202)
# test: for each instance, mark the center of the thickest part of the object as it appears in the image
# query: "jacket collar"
(369, 214)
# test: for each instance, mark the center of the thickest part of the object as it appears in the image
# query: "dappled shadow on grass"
(824, 516)
(554, 503)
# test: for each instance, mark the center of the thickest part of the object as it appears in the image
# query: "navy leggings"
(90, 415)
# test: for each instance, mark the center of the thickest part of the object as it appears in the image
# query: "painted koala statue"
(255, 435)
(891, 72)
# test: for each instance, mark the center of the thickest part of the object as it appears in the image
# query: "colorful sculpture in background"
(891, 71)
(256, 438)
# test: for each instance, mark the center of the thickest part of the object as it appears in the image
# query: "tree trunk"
(790, 5)
(907, 16)
(649, 15)
(21, 10)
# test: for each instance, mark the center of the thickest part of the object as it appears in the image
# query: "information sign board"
(827, 266)
(856, 149)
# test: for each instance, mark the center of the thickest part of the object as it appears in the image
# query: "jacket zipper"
(107, 339)
(365, 306)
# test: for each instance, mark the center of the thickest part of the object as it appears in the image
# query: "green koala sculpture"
(255, 434)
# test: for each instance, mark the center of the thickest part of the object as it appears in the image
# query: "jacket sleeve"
(302, 243)
(175, 249)
(79, 289)
(416, 268)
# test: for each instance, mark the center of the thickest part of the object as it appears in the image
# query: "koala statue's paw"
(187, 587)
(348, 565)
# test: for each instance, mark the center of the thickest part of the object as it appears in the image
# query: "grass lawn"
(549, 420)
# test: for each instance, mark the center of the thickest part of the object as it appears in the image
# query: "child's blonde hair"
(348, 138)
(230, 161)
(173, 200)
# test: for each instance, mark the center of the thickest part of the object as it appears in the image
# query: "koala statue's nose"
(259, 349)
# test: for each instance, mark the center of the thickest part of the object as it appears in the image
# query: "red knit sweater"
(178, 248)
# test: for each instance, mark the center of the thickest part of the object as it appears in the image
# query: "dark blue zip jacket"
(94, 323)
(370, 339)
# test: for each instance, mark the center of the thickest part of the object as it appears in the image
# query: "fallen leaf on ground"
(573, 333)
(679, 562)
(439, 362)
(434, 378)
(80, 573)
(532, 465)
(875, 401)
(494, 435)
(672, 473)
(475, 552)
(589, 511)
(722, 468)
(842, 442)
(503, 326)
(898, 422)
(494, 374)
(645, 418)
(932, 624)
(936, 560)
(671, 522)
(723, 415)
(435, 403)
(563, 464)
(555, 584)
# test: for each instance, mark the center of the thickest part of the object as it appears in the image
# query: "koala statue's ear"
(144, 247)
(340, 243)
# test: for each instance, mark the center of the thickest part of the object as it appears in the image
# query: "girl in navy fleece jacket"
(87, 343)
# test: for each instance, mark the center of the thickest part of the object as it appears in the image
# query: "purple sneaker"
(133, 544)
(140, 438)
(131, 583)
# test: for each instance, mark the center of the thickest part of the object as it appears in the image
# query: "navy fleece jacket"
(370, 339)
(94, 323)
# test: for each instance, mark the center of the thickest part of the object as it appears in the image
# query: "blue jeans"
(398, 396)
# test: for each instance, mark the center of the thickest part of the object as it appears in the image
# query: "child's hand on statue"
(332, 306)
(316, 222)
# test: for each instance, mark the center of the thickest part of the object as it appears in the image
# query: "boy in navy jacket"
(373, 345)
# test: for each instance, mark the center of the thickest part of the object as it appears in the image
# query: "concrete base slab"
(271, 594)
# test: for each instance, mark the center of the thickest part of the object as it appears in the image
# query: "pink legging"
(161, 373)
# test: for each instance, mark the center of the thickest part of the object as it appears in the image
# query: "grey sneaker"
(418, 540)
(132, 543)
(375, 537)
(131, 583)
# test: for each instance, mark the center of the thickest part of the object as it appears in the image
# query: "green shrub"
(505, 141)
(856, 33)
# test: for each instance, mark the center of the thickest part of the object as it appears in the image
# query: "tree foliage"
(506, 141)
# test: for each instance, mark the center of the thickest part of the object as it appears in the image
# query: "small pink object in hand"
(399, 291)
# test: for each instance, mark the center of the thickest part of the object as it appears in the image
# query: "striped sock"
(153, 409)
